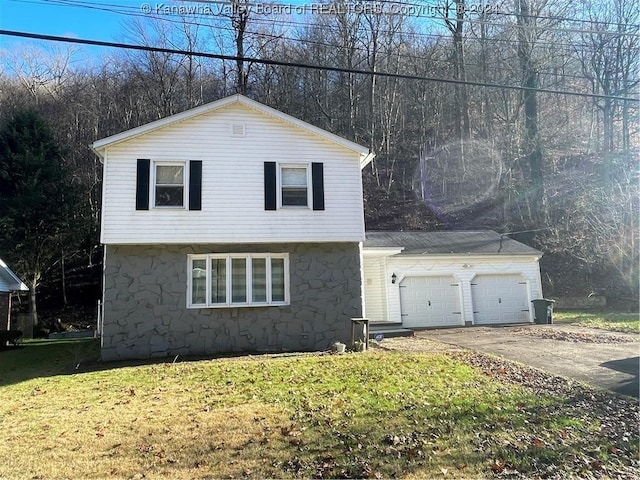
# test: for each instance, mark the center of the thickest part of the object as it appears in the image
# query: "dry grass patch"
(145, 423)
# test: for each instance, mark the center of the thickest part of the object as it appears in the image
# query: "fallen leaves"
(574, 337)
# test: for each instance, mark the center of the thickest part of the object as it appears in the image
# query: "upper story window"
(169, 185)
(294, 181)
(289, 185)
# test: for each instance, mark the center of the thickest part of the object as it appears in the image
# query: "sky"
(96, 19)
(69, 18)
(102, 20)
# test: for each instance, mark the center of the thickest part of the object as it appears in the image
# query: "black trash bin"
(543, 310)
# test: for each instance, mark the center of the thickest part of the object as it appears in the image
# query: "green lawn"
(617, 322)
(372, 415)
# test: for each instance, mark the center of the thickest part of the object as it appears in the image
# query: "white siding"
(375, 291)
(232, 184)
(462, 268)
(4, 285)
(9, 282)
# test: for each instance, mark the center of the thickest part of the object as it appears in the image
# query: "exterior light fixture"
(394, 277)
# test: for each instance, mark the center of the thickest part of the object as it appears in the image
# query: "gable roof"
(484, 242)
(100, 145)
(9, 281)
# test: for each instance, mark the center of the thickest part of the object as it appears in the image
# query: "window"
(169, 185)
(290, 185)
(238, 279)
(293, 182)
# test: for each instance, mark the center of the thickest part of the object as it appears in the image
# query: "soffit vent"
(238, 129)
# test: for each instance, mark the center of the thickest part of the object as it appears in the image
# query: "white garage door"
(499, 299)
(430, 301)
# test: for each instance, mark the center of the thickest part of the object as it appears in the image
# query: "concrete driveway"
(611, 366)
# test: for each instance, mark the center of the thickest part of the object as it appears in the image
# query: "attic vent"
(238, 129)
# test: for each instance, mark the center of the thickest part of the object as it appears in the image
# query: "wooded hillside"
(518, 116)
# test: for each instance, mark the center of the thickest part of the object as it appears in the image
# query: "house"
(444, 279)
(9, 282)
(229, 227)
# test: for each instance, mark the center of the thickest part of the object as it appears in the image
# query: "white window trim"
(249, 277)
(305, 165)
(185, 183)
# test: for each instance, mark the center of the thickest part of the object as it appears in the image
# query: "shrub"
(9, 336)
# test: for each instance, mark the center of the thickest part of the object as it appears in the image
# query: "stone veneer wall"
(145, 313)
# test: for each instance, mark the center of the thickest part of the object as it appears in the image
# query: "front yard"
(379, 414)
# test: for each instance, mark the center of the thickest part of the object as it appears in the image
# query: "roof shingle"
(485, 242)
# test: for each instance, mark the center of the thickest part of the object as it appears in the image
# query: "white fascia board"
(99, 145)
(363, 151)
(471, 257)
(381, 251)
(366, 159)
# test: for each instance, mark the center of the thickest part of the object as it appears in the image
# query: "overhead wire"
(165, 16)
(108, 7)
(263, 61)
(491, 70)
(167, 8)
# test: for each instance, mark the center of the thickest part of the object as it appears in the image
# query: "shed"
(9, 282)
(449, 278)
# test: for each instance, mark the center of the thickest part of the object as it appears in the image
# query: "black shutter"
(142, 184)
(317, 182)
(269, 185)
(195, 185)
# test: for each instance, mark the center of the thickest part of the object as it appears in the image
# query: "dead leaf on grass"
(497, 466)
(596, 464)
(536, 442)
(289, 431)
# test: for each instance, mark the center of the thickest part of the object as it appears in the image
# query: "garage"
(448, 279)
(430, 301)
(499, 299)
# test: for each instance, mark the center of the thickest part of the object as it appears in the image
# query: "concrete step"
(389, 331)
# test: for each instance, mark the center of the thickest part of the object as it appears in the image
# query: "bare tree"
(609, 55)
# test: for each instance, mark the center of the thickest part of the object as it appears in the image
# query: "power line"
(53, 38)
(135, 11)
(167, 8)
(369, 6)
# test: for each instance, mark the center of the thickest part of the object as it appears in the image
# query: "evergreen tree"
(36, 199)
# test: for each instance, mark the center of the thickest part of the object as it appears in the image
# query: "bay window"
(237, 280)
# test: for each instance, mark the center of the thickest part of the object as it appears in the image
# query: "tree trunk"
(531, 142)
(33, 309)
(239, 22)
(463, 123)
(63, 278)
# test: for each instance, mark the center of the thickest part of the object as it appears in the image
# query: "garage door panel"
(430, 301)
(499, 299)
